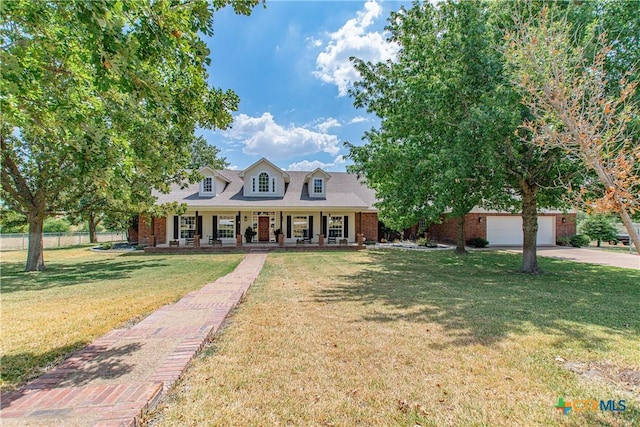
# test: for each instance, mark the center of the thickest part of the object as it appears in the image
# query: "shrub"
(564, 241)
(579, 240)
(599, 227)
(54, 225)
(477, 242)
(428, 243)
(106, 246)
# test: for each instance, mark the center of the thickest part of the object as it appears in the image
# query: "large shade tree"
(102, 92)
(449, 136)
(576, 107)
(434, 149)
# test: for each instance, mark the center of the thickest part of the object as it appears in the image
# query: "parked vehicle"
(622, 238)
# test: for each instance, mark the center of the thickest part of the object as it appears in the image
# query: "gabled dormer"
(317, 183)
(264, 179)
(212, 182)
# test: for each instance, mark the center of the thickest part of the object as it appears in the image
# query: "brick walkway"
(113, 381)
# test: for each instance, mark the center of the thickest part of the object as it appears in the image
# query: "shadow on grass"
(480, 299)
(25, 366)
(66, 274)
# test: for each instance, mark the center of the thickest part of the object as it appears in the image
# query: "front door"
(263, 229)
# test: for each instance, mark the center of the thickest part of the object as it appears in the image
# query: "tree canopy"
(102, 96)
(577, 108)
(453, 131)
(434, 150)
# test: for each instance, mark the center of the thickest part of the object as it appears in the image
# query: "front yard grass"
(419, 338)
(84, 294)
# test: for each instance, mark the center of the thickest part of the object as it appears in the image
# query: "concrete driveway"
(592, 256)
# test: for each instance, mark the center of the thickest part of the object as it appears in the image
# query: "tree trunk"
(35, 258)
(620, 205)
(628, 224)
(460, 249)
(92, 228)
(529, 230)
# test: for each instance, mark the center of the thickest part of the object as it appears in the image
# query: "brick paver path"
(113, 381)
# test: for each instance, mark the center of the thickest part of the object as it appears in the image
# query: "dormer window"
(264, 179)
(206, 186)
(263, 183)
(318, 185)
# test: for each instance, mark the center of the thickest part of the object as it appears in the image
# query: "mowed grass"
(84, 294)
(418, 338)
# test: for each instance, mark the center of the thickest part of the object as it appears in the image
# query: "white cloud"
(307, 165)
(333, 64)
(263, 136)
(358, 119)
(328, 124)
(312, 41)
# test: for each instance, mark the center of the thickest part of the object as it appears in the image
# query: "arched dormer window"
(263, 182)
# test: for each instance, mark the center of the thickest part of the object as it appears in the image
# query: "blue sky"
(289, 63)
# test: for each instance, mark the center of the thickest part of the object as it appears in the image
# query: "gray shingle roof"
(343, 191)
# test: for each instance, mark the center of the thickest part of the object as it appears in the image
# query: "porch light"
(245, 217)
(480, 219)
(564, 220)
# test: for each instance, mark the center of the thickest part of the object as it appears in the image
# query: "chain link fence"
(20, 241)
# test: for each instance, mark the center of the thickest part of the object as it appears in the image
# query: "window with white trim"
(300, 227)
(318, 185)
(226, 226)
(263, 182)
(187, 226)
(206, 186)
(335, 226)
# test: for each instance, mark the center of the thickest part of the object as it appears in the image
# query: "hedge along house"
(264, 198)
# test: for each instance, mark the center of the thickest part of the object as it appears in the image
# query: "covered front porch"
(203, 228)
(200, 247)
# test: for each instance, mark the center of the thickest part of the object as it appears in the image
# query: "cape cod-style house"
(265, 198)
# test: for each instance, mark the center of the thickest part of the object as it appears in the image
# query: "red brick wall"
(367, 224)
(475, 225)
(133, 234)
(144, 230)
(447, 231)
(444, 232)
(566, 229)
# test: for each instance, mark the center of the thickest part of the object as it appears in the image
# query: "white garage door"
(507, 230)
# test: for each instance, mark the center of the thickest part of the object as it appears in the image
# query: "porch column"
(152, 236)
(196, 237)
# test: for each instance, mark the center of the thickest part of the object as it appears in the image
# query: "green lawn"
(84, 294)
(419, 338)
